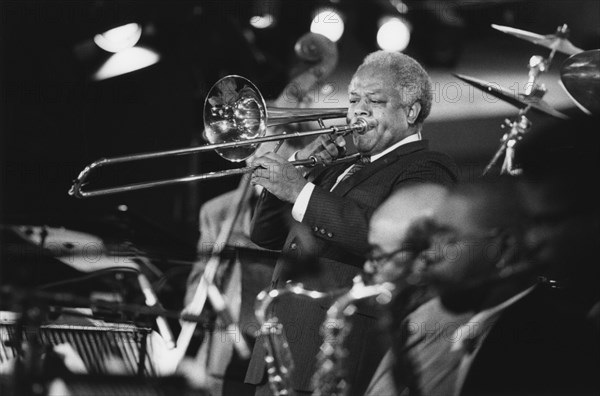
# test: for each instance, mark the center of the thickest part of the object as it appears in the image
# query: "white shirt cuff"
(301, 203)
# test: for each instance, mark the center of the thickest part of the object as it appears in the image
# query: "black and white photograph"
(299, 197)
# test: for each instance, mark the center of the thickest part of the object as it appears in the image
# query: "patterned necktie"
(358, 165)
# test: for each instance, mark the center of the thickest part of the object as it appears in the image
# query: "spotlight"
(329, 23)
(393, 34)
(126, 61)
(119, 38)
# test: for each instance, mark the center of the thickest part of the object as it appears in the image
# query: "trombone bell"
(234, 110)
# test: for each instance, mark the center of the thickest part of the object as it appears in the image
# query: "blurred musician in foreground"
(239, 282)
(493, 329)
(396, 241)
(561, 165)
(334, 205)
(251, 272)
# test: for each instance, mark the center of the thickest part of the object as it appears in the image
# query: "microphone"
(151, 301)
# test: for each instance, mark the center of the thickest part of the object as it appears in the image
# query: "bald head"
(392, 219)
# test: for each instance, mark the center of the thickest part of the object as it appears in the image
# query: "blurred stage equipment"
(87, 253)
(98, 345)
(580, 77)
(235, 120)
(40, 350)
(531, 99)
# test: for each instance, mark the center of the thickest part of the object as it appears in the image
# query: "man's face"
(557, 234)
(372, 95)
(385, 259)
(461, 254)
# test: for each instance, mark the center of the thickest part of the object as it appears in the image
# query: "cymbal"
(519, 100)
(556, 41)
(580, 77)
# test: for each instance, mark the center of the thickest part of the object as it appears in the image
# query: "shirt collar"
(409, 139)
(480, 322)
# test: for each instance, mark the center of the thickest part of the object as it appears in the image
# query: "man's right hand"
(324, 149)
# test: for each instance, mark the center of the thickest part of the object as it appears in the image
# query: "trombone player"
(392, 93)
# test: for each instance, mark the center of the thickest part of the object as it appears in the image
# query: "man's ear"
(413, 113)
(509, 247)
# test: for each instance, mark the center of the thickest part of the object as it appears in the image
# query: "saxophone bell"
(279, 361)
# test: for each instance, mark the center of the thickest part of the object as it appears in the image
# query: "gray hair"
(412, 81)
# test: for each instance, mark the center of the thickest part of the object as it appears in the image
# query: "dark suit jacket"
(333, 234)
(538, 347)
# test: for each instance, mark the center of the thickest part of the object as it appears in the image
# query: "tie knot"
(364, 160)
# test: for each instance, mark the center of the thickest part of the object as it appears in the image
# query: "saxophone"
(278, 357)
(329, 380)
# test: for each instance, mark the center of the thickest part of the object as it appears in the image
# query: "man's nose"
(433, 254)
(361, 109)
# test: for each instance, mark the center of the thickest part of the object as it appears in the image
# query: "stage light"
(329, 23)
(119, 38)
(263, 21)
(126, 61)
(393, 34)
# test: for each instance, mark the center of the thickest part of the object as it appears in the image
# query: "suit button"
(322, 231)
(315, 228)
(330, 235)
(293, 246)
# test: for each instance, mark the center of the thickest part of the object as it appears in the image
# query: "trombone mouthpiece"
(362, 125)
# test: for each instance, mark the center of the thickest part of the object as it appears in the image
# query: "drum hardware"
(557, 42)
(532, 98)
(580, 78)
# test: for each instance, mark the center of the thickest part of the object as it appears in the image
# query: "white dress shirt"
(301, 203)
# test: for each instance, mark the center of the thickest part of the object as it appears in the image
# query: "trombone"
(236, 118)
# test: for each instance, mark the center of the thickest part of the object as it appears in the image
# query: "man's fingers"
(261, 173)
(325, 157)
(275, 157)
(340, 141)
(332, 149)
(268, 159)
(261, 162)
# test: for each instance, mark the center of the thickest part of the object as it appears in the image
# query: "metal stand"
(532, 97)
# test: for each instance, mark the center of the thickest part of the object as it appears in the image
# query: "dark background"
(55, 120)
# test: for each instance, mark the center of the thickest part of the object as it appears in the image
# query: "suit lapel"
(374, 167)
(325, 177)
